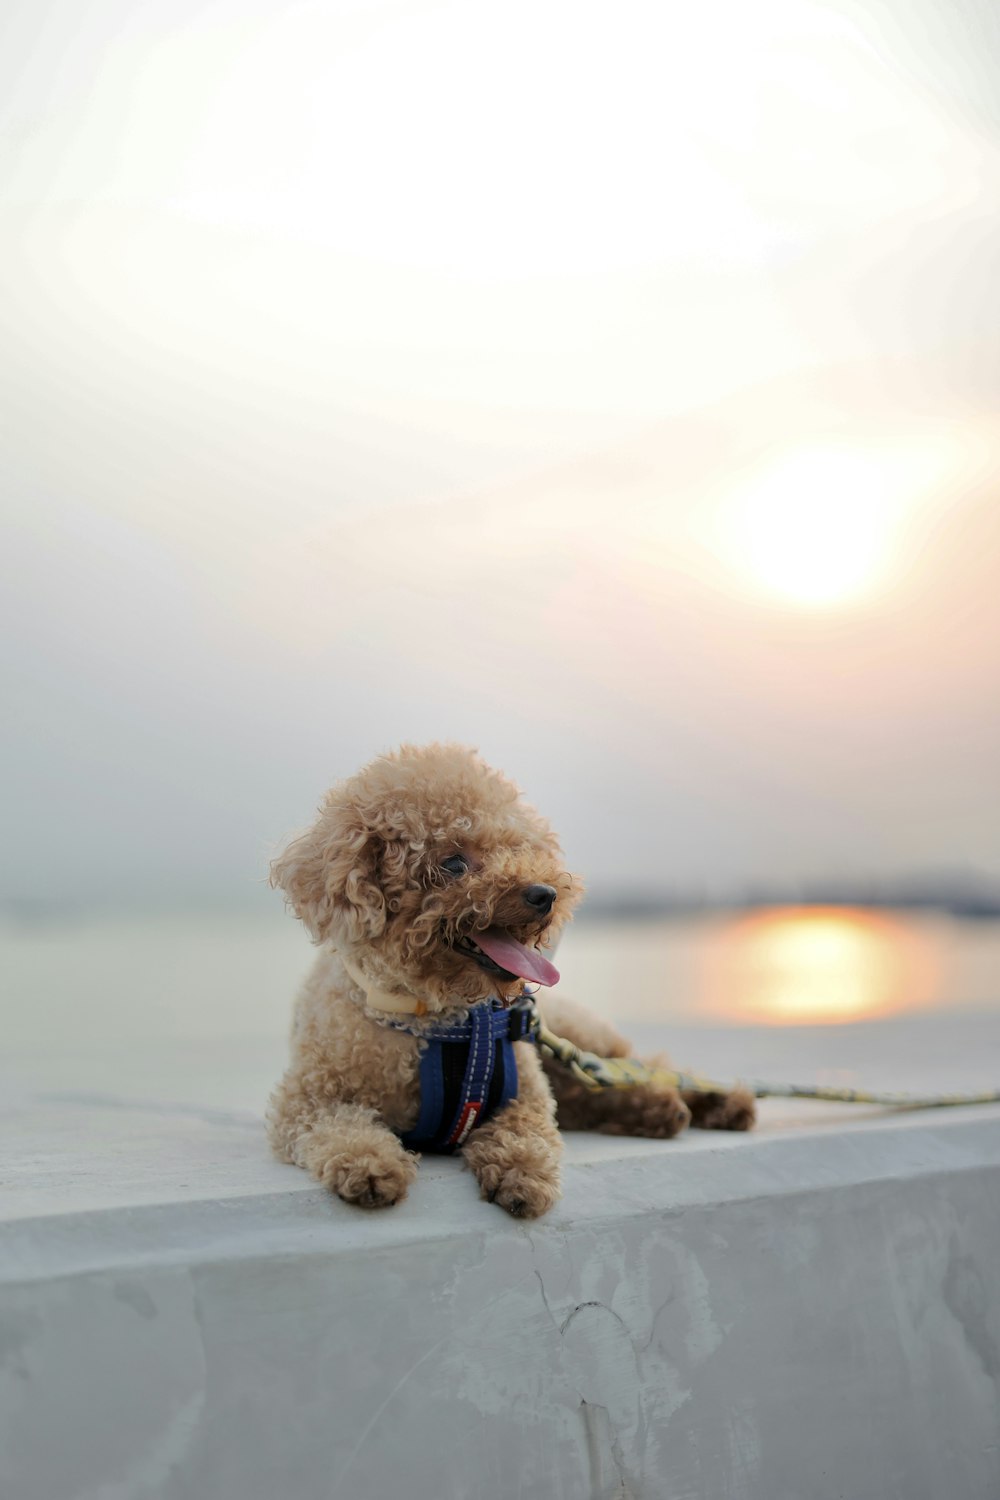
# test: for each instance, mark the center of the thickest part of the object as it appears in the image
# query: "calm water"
(212, 975)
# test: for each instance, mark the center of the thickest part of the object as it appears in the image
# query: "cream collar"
(382, 1000)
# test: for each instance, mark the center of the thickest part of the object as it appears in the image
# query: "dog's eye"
(455, 864)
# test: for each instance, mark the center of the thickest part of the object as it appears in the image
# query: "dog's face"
(432, 878)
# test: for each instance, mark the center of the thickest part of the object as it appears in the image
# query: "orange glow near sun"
(818, 965)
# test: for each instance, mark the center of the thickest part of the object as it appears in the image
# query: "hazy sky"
(611, 386)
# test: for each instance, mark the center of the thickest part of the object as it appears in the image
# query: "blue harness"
(467, 1072)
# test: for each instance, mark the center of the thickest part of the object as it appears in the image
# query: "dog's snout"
(540, 898)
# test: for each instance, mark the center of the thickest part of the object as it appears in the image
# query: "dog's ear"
(330, 875)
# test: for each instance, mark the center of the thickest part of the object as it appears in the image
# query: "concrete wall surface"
(809, 1313)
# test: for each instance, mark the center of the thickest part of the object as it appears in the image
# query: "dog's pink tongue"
(513, 956)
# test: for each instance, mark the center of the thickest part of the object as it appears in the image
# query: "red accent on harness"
(466, 1120)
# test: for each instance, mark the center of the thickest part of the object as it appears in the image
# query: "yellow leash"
(626, 1072)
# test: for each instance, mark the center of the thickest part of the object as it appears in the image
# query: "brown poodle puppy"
(430, 887)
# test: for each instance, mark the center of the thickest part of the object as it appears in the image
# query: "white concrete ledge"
(810, 1312)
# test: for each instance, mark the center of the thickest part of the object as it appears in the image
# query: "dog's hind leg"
(646, 1109)
(642, 1109)
(570, 1019)
(734, 1110)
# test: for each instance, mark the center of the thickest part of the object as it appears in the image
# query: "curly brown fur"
(407, 862)
(649, 1111)
(735, 1110)
(368, 875)
(516, 1156)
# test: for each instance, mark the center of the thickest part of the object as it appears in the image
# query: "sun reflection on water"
(819, 965)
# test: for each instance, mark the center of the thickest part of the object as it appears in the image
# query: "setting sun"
(816, 528)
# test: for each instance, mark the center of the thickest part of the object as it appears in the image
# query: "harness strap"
(468, 1071)
(517, 1020)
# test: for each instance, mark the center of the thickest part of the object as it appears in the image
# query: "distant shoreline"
(968, 907)
(972, 904)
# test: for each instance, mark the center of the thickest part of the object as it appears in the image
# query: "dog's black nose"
(540, 897)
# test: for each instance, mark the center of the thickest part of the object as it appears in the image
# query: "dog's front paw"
(523, 1178)
(375, 1179)
(522, 1191)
